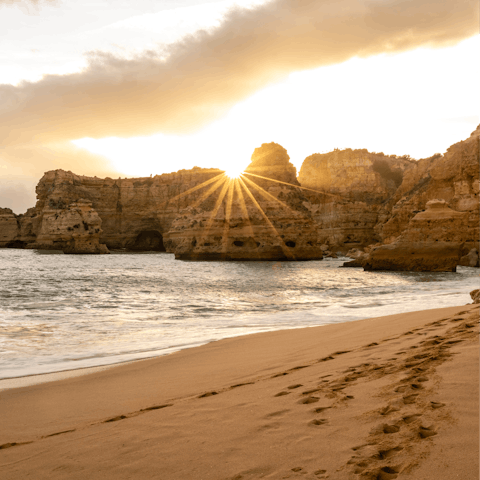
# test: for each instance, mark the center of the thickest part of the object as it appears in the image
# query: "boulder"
(470, 259)
(475, 294)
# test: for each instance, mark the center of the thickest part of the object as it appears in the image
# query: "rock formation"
(73, 229)
(17, 231)
(356, 185)
(432, 242)
(135, 213)
(471, 259)
(343, 199)
(8, 228)
(475, 294)
(453, 177)
(259, 216)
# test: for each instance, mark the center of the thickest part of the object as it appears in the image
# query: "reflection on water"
(60, 312)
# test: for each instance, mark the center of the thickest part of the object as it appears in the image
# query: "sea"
(64, 312)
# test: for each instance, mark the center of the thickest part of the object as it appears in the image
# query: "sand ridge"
(373, 410)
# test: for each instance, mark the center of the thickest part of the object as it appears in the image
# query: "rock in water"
(74, 229)
(432, 242)
(259, 216)
(471, 259)
(475, 294)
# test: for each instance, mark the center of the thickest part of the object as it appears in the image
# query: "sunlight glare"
(234, 171)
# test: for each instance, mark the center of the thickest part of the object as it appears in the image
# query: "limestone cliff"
(453, 177)
(135, 213)
(73, 229)
(17, 231)
(431, 242)
(260, 216)
(357, 185)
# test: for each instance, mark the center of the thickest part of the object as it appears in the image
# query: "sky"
(132, 88)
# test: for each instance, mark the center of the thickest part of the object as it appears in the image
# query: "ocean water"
(61, 312)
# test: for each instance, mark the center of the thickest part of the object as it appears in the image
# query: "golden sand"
(383, 398)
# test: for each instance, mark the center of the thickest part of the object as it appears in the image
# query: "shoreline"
(239, 402)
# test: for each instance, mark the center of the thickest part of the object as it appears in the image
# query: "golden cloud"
(186, 85)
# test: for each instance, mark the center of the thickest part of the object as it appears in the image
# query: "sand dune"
(384, 398)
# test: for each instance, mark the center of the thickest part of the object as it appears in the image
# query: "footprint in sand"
(313, 390)
(115, 419)
(298, 385)
(411, 418)
(308, 400)
(281, 394)
(387, 473)
(426, 432)
(409, 399)
(388, 409)
(437, 404)
(390, 428)
(208, 394)
(384, 454)
(319, 421)
(321, 409)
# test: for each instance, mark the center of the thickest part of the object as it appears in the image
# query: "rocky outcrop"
(471, 259)
(8, 228)
(347, 198)
(432, 242)
(453, 177)
(355, 187)
(135, 213)
(475, 294)
(17, 231)
(73, 229)
(260, 216)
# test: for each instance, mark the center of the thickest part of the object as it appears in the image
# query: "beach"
(380, 398)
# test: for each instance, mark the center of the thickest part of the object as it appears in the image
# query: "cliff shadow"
(147, 241)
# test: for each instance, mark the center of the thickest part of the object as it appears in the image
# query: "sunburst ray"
(214, 212)
(292, 185)
(216, 178)
(228, 213)
(282, 245)
(266, 194)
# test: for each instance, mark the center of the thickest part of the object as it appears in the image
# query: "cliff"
(259, 216)
(431, 242)
(453, 177)
(135, 213)
(343, 199)
(73, 229)
(357, 185)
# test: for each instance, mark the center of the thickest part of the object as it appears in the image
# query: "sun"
(234, 171)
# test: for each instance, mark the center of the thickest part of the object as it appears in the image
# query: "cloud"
(28, 6)
(184, 86)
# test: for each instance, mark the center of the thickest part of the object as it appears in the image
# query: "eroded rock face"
(251, 218)
(453, 177)
(73, 229)
(8, 228)
(135, 213)
(432, 242)
(471, 259)
(17, 231)
(475, 294)
(357, 186)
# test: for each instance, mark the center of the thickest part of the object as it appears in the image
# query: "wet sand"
(383, 398)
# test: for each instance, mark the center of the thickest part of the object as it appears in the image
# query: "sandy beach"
(382, 398)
